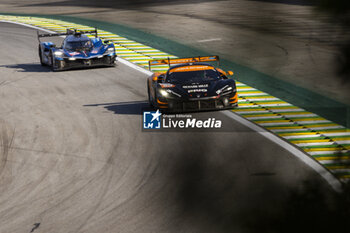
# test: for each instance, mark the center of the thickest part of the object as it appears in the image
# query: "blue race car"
(76, 51)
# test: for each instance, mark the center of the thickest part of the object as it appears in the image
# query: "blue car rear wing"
(69, 32)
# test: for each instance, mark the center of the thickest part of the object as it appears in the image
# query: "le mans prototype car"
(191, 85)
(77, 50)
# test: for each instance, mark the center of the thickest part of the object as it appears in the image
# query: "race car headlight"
(58, 53)
(164, 93)
(110, 50)
(169, 93)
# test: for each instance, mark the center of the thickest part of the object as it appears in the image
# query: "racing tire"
(52, 61)
(41, 57)
(112, 62)
(150, 101)
(56, 65)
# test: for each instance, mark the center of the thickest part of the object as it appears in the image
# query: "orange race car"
(191, 85)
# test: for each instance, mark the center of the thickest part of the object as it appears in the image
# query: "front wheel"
(149, 96)
(41, 57)
(55, 64)
(112, 61)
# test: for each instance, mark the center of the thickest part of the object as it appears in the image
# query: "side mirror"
(229, 73)
(160, 78)
(106, 41)
(156, 77)
(52, 45)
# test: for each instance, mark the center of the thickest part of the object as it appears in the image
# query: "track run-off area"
(74, 157)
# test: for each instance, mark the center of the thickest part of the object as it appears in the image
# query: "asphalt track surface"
(74, 157)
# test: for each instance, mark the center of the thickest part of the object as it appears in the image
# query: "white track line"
(332, 181)
(334, 161)
(288, 130)
(315, 144)
(328, 152)
(132, 65)
(251, 112)
(302, 136)
(288, 110)
(264, 117)
(27, 25)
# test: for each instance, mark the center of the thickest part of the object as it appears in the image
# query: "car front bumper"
(198, 104)
(69, 63)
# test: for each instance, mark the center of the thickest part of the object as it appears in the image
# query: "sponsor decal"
(197, 90)
(74, 53)
(195, 86)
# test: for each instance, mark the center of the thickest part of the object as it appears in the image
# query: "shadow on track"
(125, 108)
(36, 67)
(209, 190)
(27, 67)
(289, 2)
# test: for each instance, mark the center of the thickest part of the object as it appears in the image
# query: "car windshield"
(192, 76)
(78, 45)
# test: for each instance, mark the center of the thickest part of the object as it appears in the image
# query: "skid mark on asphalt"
(6, 141)
(36, 226)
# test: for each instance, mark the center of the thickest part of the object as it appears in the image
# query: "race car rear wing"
(69, 32)
(170, 61)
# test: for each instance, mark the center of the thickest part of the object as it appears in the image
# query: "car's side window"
(223, 76)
